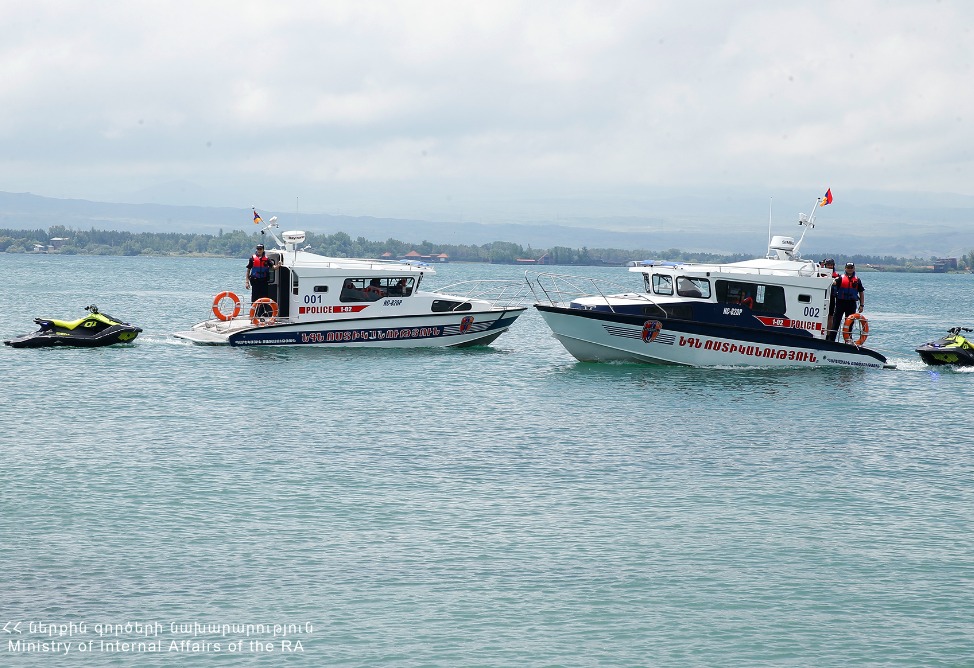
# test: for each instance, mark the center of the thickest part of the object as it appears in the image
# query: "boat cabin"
(304, 284)
(766, 288)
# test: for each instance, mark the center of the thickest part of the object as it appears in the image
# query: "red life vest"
(261, 269)
(849, 287)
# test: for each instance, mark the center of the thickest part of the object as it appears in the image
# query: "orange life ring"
(258, 321)
(220, 315)
(847, 329)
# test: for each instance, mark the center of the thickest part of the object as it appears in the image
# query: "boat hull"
(601, 336)
(427, 331)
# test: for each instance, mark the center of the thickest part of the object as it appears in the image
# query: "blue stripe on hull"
(269, 337)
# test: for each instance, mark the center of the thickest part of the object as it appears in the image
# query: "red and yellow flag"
(258, 221)
(827, 199)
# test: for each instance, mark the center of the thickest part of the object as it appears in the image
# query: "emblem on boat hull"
(465, 324)
(651, 330)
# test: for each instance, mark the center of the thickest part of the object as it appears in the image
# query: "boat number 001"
(312, 299)
(811, 312)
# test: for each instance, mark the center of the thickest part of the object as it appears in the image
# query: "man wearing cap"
(258, 274)
(848, 290)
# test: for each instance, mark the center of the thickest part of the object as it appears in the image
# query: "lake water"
(500, 506)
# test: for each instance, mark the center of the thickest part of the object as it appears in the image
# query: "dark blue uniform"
(848, 290)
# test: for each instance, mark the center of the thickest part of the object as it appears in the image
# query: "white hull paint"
(589, 339)
(421, 331)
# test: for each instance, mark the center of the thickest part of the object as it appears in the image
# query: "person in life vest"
(259, 270)
(374, 291)
(848, 290)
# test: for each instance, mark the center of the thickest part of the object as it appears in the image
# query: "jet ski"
(951, 349)
(95, 329)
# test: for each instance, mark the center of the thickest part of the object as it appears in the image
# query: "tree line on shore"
(238, 243)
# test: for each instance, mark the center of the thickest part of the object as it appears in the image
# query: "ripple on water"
(504, 506)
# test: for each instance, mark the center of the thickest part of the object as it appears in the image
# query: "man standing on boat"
(258, 274)
(829, 265)
(848, 290)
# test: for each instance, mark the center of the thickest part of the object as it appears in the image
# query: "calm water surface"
(501, 506)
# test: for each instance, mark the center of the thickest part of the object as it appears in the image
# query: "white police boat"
(767, 312)
(344, 302)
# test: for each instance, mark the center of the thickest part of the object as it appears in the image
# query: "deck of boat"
(203, 337)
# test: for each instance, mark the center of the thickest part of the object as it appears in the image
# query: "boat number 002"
(312, 299)
(811, 312)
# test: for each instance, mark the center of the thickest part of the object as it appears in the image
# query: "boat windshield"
(662, 284)
(687, 286)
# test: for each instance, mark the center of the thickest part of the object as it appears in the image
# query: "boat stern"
(213, 332)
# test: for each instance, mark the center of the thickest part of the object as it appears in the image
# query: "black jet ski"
(951, 349)
(95, 329)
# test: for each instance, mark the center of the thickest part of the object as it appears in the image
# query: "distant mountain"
(875, 224)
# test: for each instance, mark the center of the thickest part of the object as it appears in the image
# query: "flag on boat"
(827, 199)
(258, 221)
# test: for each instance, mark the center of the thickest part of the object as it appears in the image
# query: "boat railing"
(500, 293)
(562, 289)
(361, 263)
(807, 268)
(239, 322)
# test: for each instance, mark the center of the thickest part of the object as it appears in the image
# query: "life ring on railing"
(863, 325)
(220, 315)
(748, 302)
(259, 321)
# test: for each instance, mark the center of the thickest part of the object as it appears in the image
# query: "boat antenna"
(269, 227)
(770, 209)
(808, 223)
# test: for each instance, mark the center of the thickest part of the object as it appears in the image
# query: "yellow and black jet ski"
(951, 349)
(95, 329)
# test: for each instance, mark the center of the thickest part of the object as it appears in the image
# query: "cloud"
(370, 106)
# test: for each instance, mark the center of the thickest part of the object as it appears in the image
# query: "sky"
(492, 111)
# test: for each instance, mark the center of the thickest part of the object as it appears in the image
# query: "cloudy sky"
(489, 111)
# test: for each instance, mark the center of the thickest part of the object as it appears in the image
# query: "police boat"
(771, 311)
(330, 302)
(94, 330)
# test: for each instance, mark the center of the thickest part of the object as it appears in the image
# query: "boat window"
(400, 287)
(679, 311)
(321, 288)
(443, 305)
(654, 311)
(374, 288)
(663, 284)
(759, 297)
(805, 299)
(693, 287)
